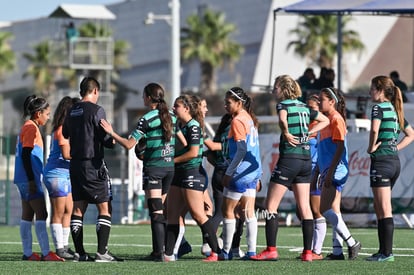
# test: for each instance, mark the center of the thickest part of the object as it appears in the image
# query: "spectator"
(395, 76)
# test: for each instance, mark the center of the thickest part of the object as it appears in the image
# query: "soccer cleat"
(52, 257)
(316, 257)
(378, 257)
(82, 258)
(237, 252)
(212, 258)
(205, 250)
(68, 250)
(61, 252)
(224, 256)
(354, 250)
(306, 256)
(156, 257)
(373, 257)
(334, 257)
(33, 257)
(266, 255)
(184, 248)
(106, 258)
(168, 258)
(248, 256)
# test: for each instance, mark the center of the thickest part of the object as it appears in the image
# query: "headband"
(236, 95)
(332, 94)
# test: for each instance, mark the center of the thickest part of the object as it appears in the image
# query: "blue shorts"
(339, 179)
(24, 191)
(58, 183)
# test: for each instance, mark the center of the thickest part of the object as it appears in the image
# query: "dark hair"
(394, 74)
(224, 122)
(237, 94)
(87, 85)
(392, 93)
(61, 110)
(335, 94)
(156, 93)
(194, 104)
(33, 104)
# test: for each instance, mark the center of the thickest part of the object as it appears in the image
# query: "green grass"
(133, 242)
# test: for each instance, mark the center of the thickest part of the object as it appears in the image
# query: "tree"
(40, 69)
(317, 39)
(7, 57)
(207, 39)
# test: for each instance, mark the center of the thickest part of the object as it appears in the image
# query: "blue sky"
(16, 10)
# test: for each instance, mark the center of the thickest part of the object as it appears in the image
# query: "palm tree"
(40, 69)
(207, 39)
(317, 39)
(7, 57)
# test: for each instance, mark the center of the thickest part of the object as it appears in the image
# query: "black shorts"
(194, 179)
(290, 171)
(157, 178)
(384, 171)
(90, 181)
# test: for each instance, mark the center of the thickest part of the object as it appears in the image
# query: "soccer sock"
(251, 233)
(158, 232)
(272, 226)
(229, 226)
(319, 234)
(76, 228)
(237, 234)
(336, 220)
(57, 235)
(66, 234)
(103, 228)
(336, 242)
(42, 237)
(179, 239)
(208, 232)
(26, 236)
(307, 231)
(381, 235)
(171, 234)
(388, 236)
(204, 241)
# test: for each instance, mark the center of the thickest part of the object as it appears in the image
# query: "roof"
(350, 6)
(83, 12)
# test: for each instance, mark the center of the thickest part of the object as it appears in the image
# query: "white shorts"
(236, 195)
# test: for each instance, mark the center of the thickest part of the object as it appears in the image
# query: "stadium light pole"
(173, 20)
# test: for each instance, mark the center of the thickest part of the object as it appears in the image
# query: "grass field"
(133, 242)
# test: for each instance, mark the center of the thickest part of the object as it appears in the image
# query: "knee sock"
(42, 237)
(237, 234)
(229, 227)
(336, 242)
(158, 232)
(307, 231)
(211, 237)
(387, 240)
(251, 234)
(57, 235)
(171, 234)
(66, 234)
(319, 233)
(179, 239)
(272, 226)
(26, 236)
(380, 229)
(336, 220)
(103, 228)
(76, 228)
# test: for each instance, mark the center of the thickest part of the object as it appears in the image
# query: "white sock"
(66, 235)
(341, 228)
(26, 236)
(57, 235)
(229, 227)
(319, 233)
(251, 234)
(42, 237)
(336, 242)
(179, 238)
